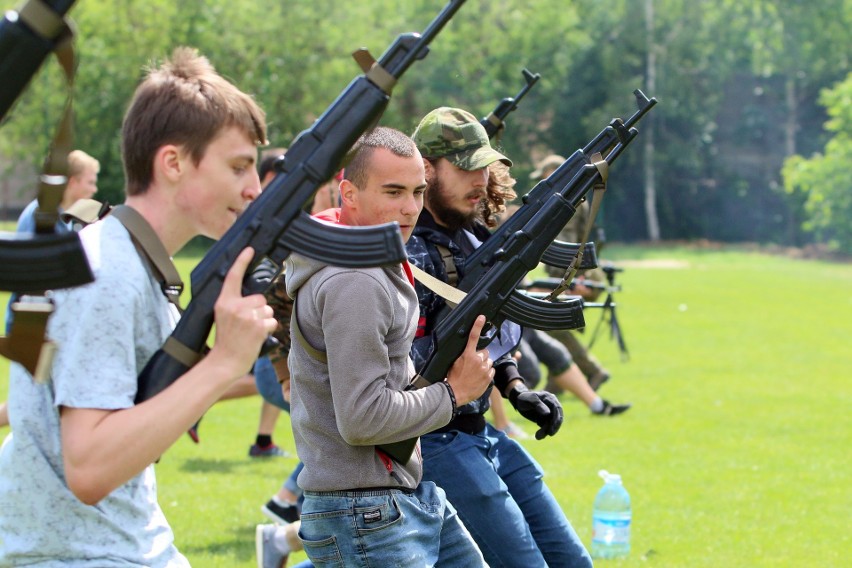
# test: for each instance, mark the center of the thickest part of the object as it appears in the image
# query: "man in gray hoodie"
(349, 365)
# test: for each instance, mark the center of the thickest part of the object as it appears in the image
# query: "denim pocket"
(378, 515)
(434, 444)
(323, 553)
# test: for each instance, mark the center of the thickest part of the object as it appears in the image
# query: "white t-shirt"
(106, 332)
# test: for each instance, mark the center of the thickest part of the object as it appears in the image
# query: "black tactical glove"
(540, 407)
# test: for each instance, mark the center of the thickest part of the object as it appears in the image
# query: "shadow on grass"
(202, 465)
(240, 545)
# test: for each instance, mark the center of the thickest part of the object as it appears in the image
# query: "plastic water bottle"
(611, 519)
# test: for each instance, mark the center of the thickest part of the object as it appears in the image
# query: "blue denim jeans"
(267, 384)
(384, 528)
(498, 491)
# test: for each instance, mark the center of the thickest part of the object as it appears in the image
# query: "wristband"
(452, 398)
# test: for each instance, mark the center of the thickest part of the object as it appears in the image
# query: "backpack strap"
(449, 264)
(152, 251)
(317, 354)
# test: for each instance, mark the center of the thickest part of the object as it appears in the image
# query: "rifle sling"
(598, 190)
(152, 251)
(373, 71)
(54, 176)
(453, 296)
(26, 342)
(317, 354)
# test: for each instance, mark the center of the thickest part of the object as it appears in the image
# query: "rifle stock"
(310, 160)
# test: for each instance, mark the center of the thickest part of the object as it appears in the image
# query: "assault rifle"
(494, 123)
(45, 260)
(608, 305)
(275, 224)
(493, 293)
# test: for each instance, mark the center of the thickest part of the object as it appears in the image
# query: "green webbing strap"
(373, 71)
(597, 195)
(151, 249)
(27, 343)
(449, 265)
(317, 354)
(54, 177)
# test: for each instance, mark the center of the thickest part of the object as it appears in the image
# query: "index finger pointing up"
(234, 278)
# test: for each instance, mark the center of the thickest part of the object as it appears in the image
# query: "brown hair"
(399, 143)
(498, 192)
(183, 102)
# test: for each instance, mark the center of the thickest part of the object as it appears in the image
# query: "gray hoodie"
(364, 321)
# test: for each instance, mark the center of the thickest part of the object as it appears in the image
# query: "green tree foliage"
(738, 85)
(823, 179)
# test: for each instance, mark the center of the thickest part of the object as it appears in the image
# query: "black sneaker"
(613, 409)
(280, 513)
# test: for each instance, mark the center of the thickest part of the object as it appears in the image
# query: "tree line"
(750, 140)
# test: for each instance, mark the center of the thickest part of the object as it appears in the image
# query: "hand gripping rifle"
(495, 122)
(493, 291)
(275, 224)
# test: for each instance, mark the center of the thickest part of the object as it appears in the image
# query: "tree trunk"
(648, 166)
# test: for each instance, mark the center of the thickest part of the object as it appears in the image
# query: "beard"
(436, 202)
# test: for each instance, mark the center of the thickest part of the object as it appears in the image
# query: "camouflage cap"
(546, 165)
(456, 135)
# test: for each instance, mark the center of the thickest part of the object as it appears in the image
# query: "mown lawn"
(736, 452)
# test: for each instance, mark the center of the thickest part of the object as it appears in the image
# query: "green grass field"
(733, 452)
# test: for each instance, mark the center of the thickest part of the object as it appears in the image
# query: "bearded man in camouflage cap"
(495, 485)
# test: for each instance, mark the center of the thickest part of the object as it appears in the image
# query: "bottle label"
(611, 531)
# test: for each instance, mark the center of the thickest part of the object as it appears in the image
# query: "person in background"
(573, 232)
(82, 183)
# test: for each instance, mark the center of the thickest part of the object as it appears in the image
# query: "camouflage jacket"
(423, 252)
(282, 307)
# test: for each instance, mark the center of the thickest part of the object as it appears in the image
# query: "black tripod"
(609, 315)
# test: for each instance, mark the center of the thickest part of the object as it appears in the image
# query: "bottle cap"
(609, 477)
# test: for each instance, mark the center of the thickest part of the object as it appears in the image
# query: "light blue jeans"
(498, 491)
(267, 384)
(384, 528)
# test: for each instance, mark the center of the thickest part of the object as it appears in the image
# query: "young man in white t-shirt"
(77, 485)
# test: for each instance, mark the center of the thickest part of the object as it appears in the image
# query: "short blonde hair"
(79, 162)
